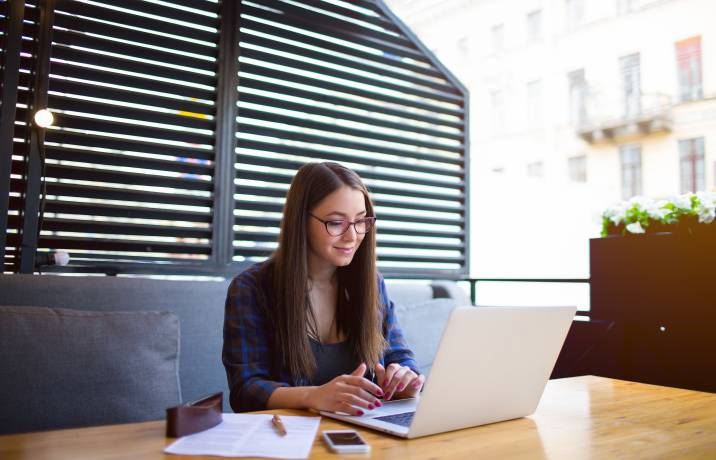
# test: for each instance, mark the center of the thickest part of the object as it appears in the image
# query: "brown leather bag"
(195, 416)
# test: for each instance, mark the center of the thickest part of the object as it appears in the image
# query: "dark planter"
(656, 294)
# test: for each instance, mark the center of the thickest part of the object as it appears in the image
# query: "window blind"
(133, 162)
(346, 82)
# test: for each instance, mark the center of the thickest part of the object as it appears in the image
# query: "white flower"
(635, 227)
(656, 210)
(706, 207)
(683, 201)
(616, 214)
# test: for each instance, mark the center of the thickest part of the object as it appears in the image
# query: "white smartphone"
(345, 442)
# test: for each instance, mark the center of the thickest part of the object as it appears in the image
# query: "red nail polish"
(370, 406)
(378, 404)
(380, 392)
(360, 412)
(400, 387)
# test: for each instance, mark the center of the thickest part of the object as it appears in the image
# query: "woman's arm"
(400, 375)
(341, 394)
(246, 351)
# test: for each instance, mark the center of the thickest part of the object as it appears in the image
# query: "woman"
(312, 327)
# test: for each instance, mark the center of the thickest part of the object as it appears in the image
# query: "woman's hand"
(344, 392)
(397, 380)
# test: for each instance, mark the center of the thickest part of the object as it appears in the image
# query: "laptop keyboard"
(403, 419)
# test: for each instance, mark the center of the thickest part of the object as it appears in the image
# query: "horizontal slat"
(407, 183)
(297, 15)
(166, 13)
(119, 194)
(266, 155)
(382, 216)
(157, 134)
(357, 56)
(98, 140)
(130, 212)
(367, 104)
(378, 20)
(318, 140)
(252, 205)
(364, 132)
(98, 11)
(347, 88)
(103, 89)
(279, 193)
(308, 23)
(176, 57)
(106, 244)
(345, 112)
(89, 24)
(142, 117)
(126, 64)
(123, 228)
(115, 76)
(113, 159)
(374, 79)
(123, 177)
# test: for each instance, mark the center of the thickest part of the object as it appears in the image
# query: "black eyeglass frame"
(370, 221)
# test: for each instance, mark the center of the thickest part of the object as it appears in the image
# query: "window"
(534, 26)
(535, 169)
(498, 38)
(630, 159)
(577, 167)
(534, 105)
(577, 97)
(688, 67)
(498, 112)
(691, 154)
(575, 13)
(631, 85)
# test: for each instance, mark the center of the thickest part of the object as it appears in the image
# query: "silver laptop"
(492, 365)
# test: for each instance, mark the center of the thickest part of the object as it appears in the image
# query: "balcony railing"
(609, 118)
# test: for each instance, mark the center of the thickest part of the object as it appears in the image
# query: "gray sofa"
(78, 351)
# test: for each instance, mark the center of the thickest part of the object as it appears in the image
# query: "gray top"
(332, 360)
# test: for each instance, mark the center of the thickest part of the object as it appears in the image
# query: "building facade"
(581, 102)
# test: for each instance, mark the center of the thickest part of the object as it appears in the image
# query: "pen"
(278, 424)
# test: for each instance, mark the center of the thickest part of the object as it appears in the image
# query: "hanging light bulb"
(44, 118)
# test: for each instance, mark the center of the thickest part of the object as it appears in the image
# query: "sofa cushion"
(62, 368)
(199, 305)
(422, 324)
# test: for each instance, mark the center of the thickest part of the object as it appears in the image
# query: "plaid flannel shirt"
(252, 367)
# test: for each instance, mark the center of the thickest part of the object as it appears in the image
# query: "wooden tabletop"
(579, 417)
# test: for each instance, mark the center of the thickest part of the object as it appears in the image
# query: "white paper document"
(251, 435)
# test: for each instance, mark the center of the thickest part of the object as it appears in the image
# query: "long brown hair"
(357, 308)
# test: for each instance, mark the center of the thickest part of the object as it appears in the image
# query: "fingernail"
(416, 384)
(385, 383)
(360, 412)
(377, 403)
(380, 393)
(370, 406)
(400, 387)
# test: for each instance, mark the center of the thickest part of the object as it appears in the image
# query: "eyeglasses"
(339, 227)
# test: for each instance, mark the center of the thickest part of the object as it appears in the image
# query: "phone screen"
(345, 439)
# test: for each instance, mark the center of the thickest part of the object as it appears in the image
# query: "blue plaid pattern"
(253, 368)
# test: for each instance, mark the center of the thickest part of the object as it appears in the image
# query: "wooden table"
(580, 417)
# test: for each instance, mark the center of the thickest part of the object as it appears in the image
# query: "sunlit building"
(598, 100)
